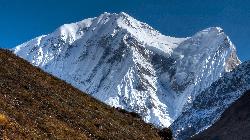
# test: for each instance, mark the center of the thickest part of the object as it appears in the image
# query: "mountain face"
(208, 106)
(36, 105)
(233, 124)
(126, 63)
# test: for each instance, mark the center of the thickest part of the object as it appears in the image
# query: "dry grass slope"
(36, 105)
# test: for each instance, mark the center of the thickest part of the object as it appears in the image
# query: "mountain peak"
(217, 35)
(214, 29)
(126, 63)
(124, 14)
(121, 14)
(211, 31)
(106, 23)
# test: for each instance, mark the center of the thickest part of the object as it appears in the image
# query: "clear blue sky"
(22, 20)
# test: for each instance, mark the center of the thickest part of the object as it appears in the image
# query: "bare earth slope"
(234, 123)
(36, 105)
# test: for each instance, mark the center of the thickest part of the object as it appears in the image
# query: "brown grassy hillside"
(36, 105)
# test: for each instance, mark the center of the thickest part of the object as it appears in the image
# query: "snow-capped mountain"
(211, 103)
(126, 63)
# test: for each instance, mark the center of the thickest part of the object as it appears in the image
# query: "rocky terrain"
(212, 102)
(234, 123)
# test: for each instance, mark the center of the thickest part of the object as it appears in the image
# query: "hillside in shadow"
(234, 123)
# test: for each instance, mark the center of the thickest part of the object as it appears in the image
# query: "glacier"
(126, 63)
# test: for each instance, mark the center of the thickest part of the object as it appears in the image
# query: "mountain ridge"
(233, 123)
(212, 102)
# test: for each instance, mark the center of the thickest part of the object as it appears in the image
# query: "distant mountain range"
(178, 82)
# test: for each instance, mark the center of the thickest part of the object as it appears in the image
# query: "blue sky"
(22, 20)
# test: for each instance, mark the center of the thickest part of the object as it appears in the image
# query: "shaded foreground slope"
(36, 105)
(234, 123)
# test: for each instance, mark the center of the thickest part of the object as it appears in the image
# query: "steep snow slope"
(126, 63)
(212, 102)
